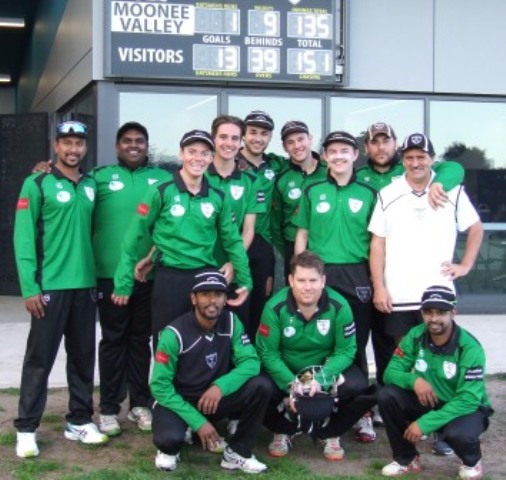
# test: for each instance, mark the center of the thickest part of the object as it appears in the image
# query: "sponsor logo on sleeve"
(22, 204)
(473, 373)
(398, 351)
(162, 357)
(261, 196)
(349, 330)
(263, 330)
(142, 209)
(245, 339)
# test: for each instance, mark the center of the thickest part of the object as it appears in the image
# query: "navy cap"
(342, 137)
(209, 280)
(258, 118)
(196, 136)
(294, 126)
(439, 297)
(418, 140)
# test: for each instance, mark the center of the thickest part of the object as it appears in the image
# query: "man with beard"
(54, 256)
(435, 382)
(206, 369)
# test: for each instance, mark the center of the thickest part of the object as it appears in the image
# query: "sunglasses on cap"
(68, 128)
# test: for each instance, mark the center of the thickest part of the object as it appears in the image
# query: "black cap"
(196, 136)
(71, 129)
(380, 128)
(418, 140)
(293, 126)
(258, 118)
(439, 297)
(209, 280)
(138, 127)
(342, 137)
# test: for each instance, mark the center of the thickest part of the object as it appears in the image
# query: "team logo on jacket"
(236, 191)
(177, 210)
(421, 365)
(355, 204)
(449, 369)
(115, 185)
(212, 360)
(207, 209)
(289, 331)
(269, 174)
(323, 325)
(90, 193)
(63, 196)
(294, 193)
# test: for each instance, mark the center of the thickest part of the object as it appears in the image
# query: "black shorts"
(397, 324)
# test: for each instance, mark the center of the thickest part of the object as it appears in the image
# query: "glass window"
(355, 114)
(282, 110)
(167, 116)
(472, 133)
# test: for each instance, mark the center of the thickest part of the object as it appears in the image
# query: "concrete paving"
(15, 323)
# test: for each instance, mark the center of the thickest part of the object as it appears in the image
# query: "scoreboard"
(268, 41)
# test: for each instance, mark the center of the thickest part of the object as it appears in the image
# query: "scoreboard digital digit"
(269, 41)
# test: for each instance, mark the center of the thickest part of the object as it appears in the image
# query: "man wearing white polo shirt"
(413, 244)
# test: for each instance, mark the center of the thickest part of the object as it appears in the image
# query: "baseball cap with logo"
(294, 126)
(258, 118)
(196, 136)
(209, 280)
(418, 140)
(380, 128)
(439, 297)
(340, 136)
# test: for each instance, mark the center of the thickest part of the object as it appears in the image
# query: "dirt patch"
(360, 459)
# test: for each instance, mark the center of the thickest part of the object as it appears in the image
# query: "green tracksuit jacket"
(52, 233)
(287, 343)
(456, 373)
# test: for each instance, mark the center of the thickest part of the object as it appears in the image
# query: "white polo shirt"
(418, 238)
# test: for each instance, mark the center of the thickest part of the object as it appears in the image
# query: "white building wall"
(470, 53)
(391, 45)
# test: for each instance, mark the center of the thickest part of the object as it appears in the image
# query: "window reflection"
(282, 110)
(355, 114)
(167, 116)
(472, 133)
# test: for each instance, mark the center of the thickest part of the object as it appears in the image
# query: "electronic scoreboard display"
(277, 41)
